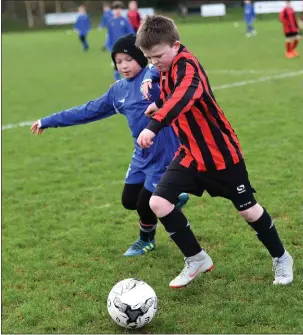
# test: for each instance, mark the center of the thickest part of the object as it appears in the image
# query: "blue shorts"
(149, 176)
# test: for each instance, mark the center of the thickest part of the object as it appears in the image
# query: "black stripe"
(202, 145)
(215, 113)
(219, 139)
(187, 95)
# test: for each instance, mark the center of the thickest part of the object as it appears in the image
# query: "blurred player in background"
(82, 26)
(291, 30)
(117, 27)
(105, 19)
(134, 15)
(249, 17)
(147, 165)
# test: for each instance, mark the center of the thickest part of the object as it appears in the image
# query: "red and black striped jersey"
(289, 20)
(208, 141)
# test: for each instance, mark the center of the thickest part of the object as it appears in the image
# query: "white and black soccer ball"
(132, 303)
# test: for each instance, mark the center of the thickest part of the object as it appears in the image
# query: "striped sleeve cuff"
(159, 103)
(154, 126)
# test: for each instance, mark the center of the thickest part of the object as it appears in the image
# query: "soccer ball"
(132, 303)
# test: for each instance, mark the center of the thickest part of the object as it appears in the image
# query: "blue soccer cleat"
(183, 198)
(140, 248)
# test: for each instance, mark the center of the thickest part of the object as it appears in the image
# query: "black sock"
(147, 232)
(178, 227)
(268, 235)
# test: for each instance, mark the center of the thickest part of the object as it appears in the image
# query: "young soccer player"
(117, 27)
(209, 158)
(249, 17)
(105, 18)
(134, 15)
(291, 30)
(147, 165)
(82, 26)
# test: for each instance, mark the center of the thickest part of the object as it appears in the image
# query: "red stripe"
(232, 150)
(209, 138)
(222, 118)
(193, 146)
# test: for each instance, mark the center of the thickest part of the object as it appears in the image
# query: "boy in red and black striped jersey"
(291, 30)
(209, 158)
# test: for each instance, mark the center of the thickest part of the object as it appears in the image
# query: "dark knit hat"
(126, 45)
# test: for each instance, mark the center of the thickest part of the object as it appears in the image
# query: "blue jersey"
(82, 24)
(105, 19)
(124, 97)
(118, 27)
(249, 12)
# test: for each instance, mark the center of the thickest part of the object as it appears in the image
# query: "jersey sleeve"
(94, 110)
(187, 88)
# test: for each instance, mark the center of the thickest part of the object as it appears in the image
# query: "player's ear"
(176, 46)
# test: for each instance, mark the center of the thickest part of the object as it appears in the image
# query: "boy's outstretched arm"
(98, 109)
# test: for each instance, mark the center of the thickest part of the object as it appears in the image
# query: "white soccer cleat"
(193, 267)
(283, 268)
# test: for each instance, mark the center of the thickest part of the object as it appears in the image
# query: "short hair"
(117, 4)
(157, 29)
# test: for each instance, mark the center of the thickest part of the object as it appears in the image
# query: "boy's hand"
(145, 138)
(145, 87)
(35, 128)
(151, 110)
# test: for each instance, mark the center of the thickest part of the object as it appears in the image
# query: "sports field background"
(64, 230)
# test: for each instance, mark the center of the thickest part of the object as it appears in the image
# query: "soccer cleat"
(295, 53)
(283, 269)
(193, 267)
(140, 248)
(183, 198)
(289, 54)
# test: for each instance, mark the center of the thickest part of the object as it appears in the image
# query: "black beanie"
(126, 45)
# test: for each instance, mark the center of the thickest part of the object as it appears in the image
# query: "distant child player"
(209, 157)
(291, 30)
(134, 15)
(117, 27)
(82, 26)
(105, 19)
(147, 165)
(249, 17)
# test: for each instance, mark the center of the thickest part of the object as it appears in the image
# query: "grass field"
(64, 230)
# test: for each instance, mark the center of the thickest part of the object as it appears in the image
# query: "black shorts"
(232, 183)
(292, 34)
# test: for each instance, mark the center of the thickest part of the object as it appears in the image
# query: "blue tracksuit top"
(125, 98)
(249, 12)
(82, 24)
(105, 19)
(116, 28)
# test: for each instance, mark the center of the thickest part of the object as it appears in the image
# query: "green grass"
(64, 229)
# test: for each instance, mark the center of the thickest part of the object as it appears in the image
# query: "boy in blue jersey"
(249, 17)
(105, 19)
(147, 165)
(82, 26)
(117, 26)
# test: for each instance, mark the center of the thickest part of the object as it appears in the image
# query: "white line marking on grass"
(219, 87)
(239, 72)
(17, 125)
(258, 80)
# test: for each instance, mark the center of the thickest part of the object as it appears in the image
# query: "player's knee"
(253, 213)
(160, 206)
(129, 202)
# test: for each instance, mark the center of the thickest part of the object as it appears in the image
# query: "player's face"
(117, 12)
(162, 55)
(127, 66)
(132, 5)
